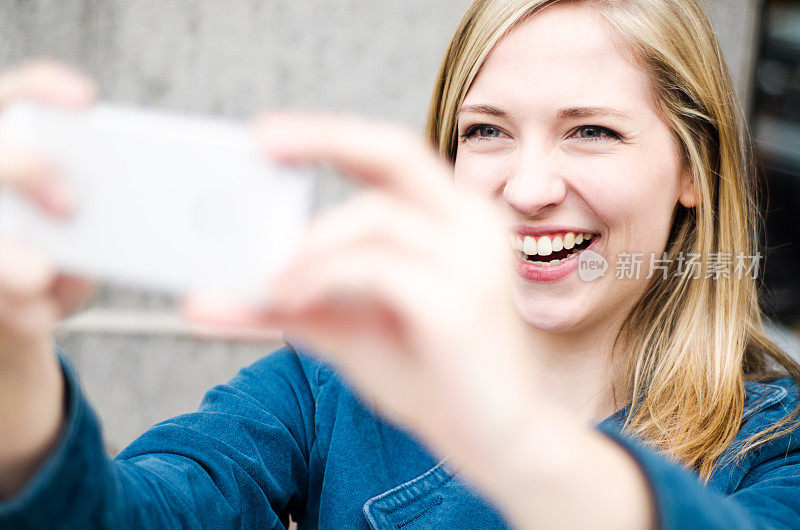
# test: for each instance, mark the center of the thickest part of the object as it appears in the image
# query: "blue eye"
(596, 132)
(483, 131)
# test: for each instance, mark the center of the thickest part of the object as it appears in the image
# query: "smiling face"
(562, 129)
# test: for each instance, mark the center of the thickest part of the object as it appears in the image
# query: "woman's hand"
(33, 296)
(406, 289)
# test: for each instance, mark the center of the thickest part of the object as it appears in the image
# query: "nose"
(536, 184)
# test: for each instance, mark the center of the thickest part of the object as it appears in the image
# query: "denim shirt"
(287, 437)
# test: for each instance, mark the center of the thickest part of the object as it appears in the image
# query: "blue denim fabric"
(286, 436)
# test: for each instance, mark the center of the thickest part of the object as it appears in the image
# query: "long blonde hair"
(691, 342)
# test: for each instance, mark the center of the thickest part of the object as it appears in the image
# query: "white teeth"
(548, 263)
(529, 246)
(544, 246)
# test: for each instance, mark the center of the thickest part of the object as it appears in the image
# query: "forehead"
(562, 56)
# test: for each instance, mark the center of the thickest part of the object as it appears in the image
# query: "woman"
(516, 391)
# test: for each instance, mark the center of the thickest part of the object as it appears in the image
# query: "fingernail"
(77, 89)
(277, 290)
(277, 133)
(272, 294)
(57, 198)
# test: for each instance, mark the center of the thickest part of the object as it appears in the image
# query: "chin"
(555, 317)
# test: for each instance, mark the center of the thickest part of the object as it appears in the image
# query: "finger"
(29, 318)
(367, 346)
(371, 218)
(215, 310)
(217, 317)
(355, 276)
(337, 330)
(331, 331)
(24, 273)
(29, 174)
(369, 343)
(376, 154)
(473, 250)
(360, 278)
(47, 82)
(71, 293)
(434, 301)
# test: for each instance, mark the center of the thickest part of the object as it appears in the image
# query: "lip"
(523, 230)
(543, 273)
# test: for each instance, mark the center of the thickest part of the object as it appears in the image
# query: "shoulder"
(286, 365)
(281, 382)
(768, 401)
(776, 460)
(289, 377)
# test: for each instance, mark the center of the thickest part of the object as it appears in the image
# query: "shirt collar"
(758, 396)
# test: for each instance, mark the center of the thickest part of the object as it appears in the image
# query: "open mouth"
(551, 249)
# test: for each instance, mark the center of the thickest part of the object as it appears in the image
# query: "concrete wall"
(138, 363)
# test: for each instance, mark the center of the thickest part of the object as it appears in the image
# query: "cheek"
(633, 196)
(484, 173)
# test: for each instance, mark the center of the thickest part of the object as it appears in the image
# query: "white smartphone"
(164, 201)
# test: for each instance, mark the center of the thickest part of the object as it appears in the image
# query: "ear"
(688, 197)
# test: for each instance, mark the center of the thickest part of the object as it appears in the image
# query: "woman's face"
(562, 129)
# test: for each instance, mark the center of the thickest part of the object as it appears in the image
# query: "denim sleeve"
(240, 461)
(768, 497)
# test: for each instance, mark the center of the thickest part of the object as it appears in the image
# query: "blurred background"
(138, 362)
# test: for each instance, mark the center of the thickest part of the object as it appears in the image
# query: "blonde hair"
(691, 343)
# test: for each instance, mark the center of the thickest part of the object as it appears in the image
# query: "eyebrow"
(588, 112)
(484, 109)
(563, 114)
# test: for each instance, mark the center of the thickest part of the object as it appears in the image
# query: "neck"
(577, 371)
